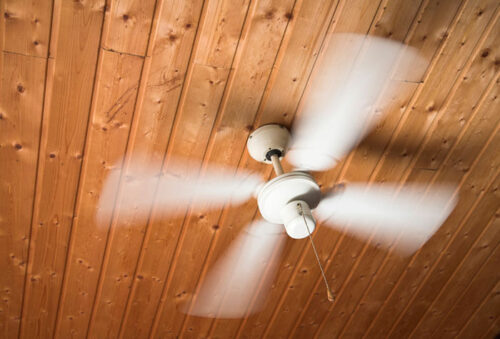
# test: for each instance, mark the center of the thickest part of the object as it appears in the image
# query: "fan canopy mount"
(288, 198)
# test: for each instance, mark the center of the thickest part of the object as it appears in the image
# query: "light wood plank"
(127, 26)
(26, 26)
(66, 111)
(115, 93)
(413, 135)
(246, 85)
(21, 101)
(307, 273)
(291, 70)
(196, 111)
(356, 18)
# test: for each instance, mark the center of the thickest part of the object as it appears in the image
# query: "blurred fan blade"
(408, 213)
(179, 186)
(238, 282)
(353, 75)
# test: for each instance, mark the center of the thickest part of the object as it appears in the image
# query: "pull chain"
(329, 292)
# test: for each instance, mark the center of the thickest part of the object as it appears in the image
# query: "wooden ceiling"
(85, 84)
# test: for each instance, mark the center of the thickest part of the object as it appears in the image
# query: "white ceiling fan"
(354, 75)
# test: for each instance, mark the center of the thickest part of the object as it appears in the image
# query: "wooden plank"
(253, 63)
(466, 103)
(493, 97)
(340, 255)
(434, 25)
(470, 189)
(127, 26)
(451, 127)
(356, 18)
(366, 157)
(434, 97)
(390, 171)
(302, 283)
(485, 281)
(438, 278)
(465, 156)
(21, 101)
(434, 18)
(461, 277)
(26, 27)
(203, 90)
(484, 318)
(455, 252)
(115, 92)
(80, 305)
(291, 70)
(66, 109)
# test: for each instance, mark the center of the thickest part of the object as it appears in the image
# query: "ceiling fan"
(354, 75)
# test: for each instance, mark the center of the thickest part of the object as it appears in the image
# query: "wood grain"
(116, 88)
(26, 27)
(69, 89)
(465, 272)
(21, 102)
(485, 282)
(238, 109)
(301, 284)
(89, 88)
(127, 26)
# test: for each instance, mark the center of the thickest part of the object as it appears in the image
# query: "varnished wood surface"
(87, 85)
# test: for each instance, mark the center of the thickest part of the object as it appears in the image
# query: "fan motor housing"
(267, 140)
(276, 194)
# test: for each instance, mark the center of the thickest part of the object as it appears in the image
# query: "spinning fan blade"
(229, 288)
(353, 76)
(180, 186)
(408, 213)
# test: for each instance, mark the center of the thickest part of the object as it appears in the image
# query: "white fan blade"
(180, 186)
(339, 109)
(247, 268)
(408, 213)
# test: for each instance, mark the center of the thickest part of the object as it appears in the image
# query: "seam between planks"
(149, 51)
(470, 281)
(491, 328)
(434, 123)
(71, 240)
(476, 110)
(28, 55)
(331, 24)
(416, 95)
(421, 147)
(433, 179)
(180, 238)
(343, 172)
(464, 178)
(277, 59)
(137, 105)
(35, 190)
